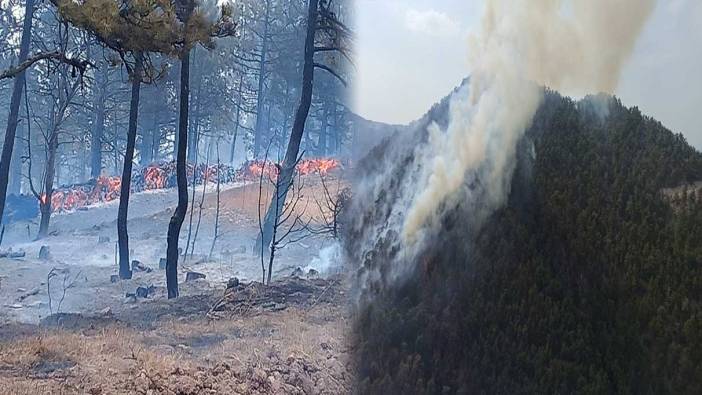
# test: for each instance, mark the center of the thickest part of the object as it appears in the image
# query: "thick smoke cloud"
(576, 46)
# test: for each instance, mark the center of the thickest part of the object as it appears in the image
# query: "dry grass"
(243, 201)
(21, 386)
(65, 362)
(293, 351)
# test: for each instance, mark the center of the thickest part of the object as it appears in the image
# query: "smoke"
(575, 46)
(464, 151)
(328, 260)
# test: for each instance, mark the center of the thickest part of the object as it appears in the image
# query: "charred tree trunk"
(293, 150)
(258, 131)
(125, 271)
(181, 156)
(99, 126)
(45, 203)
(13, 114)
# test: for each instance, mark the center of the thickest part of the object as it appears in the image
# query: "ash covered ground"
(294, 342)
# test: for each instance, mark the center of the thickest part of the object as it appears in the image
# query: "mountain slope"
(367, 134)
(587, 280)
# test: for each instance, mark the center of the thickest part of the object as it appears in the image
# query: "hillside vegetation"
(586, 281)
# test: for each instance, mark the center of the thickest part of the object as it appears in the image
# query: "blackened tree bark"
(50, 170)
(13, 115)
(184, 8)
(182, 208)
(125, 271)
(64, 94)
(99, 126)
(45, 202)
(298, 129)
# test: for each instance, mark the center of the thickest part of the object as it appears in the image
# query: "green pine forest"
(589, 280)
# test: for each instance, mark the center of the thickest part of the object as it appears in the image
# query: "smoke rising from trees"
(576, 46)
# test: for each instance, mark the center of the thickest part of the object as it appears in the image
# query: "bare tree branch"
(81, 65)
(332, 72)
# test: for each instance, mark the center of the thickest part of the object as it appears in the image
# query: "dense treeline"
(243, 95)
(589, 280)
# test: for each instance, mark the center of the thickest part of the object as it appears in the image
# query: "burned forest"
(350, 197)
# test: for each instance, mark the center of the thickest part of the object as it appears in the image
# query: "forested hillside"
(586, 281)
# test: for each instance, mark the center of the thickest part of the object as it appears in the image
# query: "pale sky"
(411, 53)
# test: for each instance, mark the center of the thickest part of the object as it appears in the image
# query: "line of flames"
(162, 176)
(304, 167)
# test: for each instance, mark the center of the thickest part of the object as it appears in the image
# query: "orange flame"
(155, 178)
(158, 176)
(307, 166)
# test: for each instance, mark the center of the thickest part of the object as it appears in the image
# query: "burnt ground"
(291, 341)
(82, 249)
(102, 342)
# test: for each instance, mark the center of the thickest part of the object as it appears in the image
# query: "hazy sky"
(411, 53)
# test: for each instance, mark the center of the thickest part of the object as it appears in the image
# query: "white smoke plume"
(576, 46)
